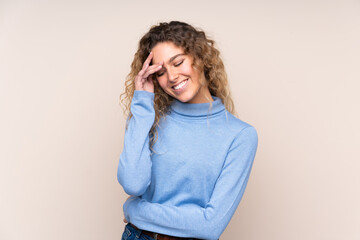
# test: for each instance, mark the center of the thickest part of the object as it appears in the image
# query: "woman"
(186, 158)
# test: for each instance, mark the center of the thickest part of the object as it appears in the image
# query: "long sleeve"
(210, 221)
(134, 170)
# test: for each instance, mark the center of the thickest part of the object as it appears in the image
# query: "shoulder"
(240, 130)
(243, 135)
(235, 124)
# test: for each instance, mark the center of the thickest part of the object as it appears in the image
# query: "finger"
(143, 71)
(151, 71)
(125, 221)
(147, 61)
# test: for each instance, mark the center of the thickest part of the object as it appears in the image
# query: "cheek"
(162, 83)
(187, 69)
(193, 73)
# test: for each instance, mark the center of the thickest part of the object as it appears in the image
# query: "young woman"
(186, 158)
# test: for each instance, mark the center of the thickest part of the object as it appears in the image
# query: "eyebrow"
(172, 58)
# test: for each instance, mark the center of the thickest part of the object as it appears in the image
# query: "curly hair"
(206, 59)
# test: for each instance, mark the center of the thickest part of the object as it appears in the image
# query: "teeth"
(180, 85)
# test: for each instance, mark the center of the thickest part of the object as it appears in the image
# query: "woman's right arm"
(134, 170)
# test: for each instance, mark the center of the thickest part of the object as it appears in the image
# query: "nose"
(173, 75)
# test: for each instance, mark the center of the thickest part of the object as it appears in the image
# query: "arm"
(134, 170)
(203, 222)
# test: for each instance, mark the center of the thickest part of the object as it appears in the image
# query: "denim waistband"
(131, 233)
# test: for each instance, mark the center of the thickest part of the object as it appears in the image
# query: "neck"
(203, 96)
(205, 109)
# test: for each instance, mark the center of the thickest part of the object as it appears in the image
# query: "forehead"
(164, 51)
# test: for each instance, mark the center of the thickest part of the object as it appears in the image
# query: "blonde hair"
(206, 58)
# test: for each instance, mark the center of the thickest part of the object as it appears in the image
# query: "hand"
(143, 80)
(125, 221)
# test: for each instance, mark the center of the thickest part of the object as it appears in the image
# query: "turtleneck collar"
(197, 109)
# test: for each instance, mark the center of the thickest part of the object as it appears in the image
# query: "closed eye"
(160, 74)
(178, 64)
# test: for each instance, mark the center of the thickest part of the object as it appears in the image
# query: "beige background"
(294, 73)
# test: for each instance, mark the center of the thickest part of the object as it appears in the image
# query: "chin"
(183, 98)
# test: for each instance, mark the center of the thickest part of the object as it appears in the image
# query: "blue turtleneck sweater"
(193, 181)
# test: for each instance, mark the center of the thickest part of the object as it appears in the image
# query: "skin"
(171, 67)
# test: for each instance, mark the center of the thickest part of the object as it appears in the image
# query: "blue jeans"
(130, 233)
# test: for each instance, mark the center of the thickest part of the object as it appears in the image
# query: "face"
(177, 77)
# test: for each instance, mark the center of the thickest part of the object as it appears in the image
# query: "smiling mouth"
(180, 85)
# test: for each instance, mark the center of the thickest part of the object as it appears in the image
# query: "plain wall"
(293, 68)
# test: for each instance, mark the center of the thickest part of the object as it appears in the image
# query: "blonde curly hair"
(206, 59)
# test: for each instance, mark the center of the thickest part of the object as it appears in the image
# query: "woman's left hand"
(125, 221)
